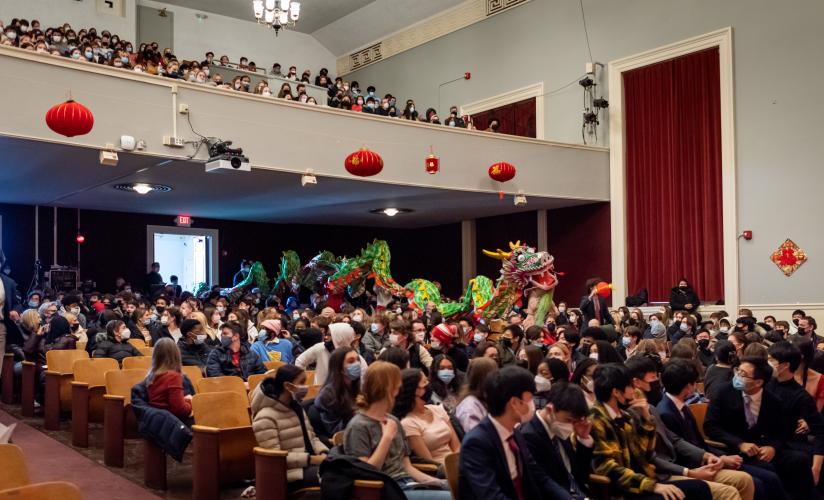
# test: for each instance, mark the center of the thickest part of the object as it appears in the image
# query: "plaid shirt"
(623, 446)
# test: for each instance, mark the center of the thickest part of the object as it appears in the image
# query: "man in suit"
(495, 461)
(802, 453)
(550, 433)
(679, 379)
(625, 442)
(9, 304)
(593, 306)
(747, 419)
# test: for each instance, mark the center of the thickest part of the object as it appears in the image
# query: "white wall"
(81, 14)
(236, 38)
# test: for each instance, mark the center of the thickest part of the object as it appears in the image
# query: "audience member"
(233, 357)
(165, 381)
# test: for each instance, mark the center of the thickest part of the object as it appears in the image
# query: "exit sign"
(184, 220)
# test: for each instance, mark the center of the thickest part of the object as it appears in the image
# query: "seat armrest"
(316, 459)
(427, 468)
(598, 479)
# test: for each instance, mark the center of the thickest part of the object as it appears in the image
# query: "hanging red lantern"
(502, 172)
(363, 163)
(433, 163)
(70, 119)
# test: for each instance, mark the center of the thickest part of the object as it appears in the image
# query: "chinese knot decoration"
(70, 119)
(363, 163)
(789, 257)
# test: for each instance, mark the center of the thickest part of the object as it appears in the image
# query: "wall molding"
(535, 90)
(431, 28)
(723, 40)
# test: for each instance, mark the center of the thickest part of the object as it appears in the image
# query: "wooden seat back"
(62, 361)
(221, 384)
(194, 373)
(92, 371)
(273, 365)
(40, 491)
(13, 473)
(146, 351)
(120, 383)
(221, 410)
(451, 469)
(137, 363)
(138, 343)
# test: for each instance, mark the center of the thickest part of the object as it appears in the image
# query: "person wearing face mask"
(510, 344)
(340, 335)
(165, 382)
(335, 402)
(705, 354)
(444, 339)
(401, 336)
(683, 297)
(747, 418)
(446, 383)
(625, 442)
(629, 341)
(115, 342)
(427, 427)
(683, 329)
(34, 299)
(549, 438)
(495, 460)
(272, 343)
(376, 338)
(280, 423)
(679, 453)
(409, 112)
(168, 325)
(233, 357)
(193, 348)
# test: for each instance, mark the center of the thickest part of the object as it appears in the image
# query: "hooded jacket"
(277, 426)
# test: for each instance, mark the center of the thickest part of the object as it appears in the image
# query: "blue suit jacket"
(484, 472)
(675, 422)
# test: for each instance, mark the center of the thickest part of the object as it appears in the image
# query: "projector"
(228, 162)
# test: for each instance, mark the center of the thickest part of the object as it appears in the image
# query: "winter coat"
(339, 472)
(219, 363)
(278, 426)
(161, 427)
(111, 348)
(679, 298)
(193, 354)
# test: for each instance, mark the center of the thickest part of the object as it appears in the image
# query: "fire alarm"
(747, 235)
(467, 75)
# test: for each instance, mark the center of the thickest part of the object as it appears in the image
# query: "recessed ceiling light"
(143, 187)
(391, 211)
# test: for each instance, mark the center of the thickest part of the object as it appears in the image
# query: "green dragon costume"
(524, 270)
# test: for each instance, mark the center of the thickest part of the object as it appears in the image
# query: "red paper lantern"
(433, 164)
(603, 289)
(70, 119)
(502, 171)
(363, 163)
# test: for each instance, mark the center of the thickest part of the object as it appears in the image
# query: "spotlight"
(590, 117)
(600, 103)
(142, 188)
(391, 211)
(308, 178)
(586, 82)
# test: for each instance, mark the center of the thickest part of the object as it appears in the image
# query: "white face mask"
(357, 317)
(200, 339)
(394, 338)
(593, 355)
(436, 344)
(75, 310)
(125, 334)
(563, 431)
(164, 320)
(419, 336)
(542, 384)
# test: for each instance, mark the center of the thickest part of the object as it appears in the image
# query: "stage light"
(80, 238)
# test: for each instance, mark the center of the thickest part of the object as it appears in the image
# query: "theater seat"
(270, 475)
(223, 384)
(119, 421)
(146, 351)
(194, 373)
(273, 365)
(223, 441)
(13, 473)
(256, 379)
(137, 343)
(699, 411)
(59, 376)
(58, 490)
(599, 486)
(137, 363)
(450, 465)
(88, 387)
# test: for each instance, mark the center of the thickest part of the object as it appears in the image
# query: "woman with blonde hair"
(143, 321)
(165, 381)
(76, 328)
(375, 435)
(213, 323)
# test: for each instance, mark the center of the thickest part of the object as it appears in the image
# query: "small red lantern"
(433, 163)
(502, 172)
(70, 119)
(80, 239)
(363, 163)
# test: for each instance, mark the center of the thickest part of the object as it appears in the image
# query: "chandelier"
(276, 14)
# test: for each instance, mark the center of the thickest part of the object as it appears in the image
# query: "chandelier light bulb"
(295, 10)
(270, 4)
(277, 14)
(258, 7)
(270, 16)
(284, 4)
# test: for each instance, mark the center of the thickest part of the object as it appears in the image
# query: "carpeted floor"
(50, 457)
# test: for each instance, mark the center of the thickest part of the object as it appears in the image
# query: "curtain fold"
(516, 119)
(673, 176)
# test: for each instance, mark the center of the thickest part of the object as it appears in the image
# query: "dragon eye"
(521, 258)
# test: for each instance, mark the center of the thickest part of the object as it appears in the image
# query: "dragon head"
(526, 267)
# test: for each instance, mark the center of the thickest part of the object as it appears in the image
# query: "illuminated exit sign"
(184, 220)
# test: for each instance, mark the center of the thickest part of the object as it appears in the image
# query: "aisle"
(50, 460)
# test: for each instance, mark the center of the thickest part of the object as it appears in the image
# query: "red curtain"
(673, 176)
(515, 119)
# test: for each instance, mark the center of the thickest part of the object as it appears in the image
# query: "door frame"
(169, 13)
(722, 39)
(213, 234)
(535, 90)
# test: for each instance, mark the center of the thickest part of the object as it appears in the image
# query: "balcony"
(282, 139)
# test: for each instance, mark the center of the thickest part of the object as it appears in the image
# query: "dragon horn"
(516, 245)
(500, 254)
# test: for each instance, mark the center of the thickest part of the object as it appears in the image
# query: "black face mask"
(329, 345)
(506, 342)
(795, 322)
(522, 363)
(654, 396)
(704, 343)
(623, 406)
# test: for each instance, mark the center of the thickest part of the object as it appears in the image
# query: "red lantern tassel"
(501, 195)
